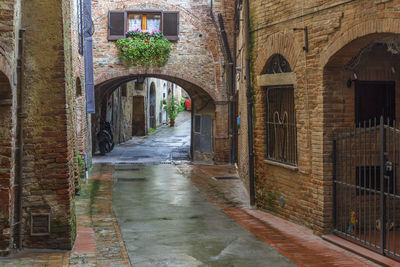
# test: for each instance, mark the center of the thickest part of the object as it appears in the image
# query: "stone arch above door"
(363, 32)
(284, 44)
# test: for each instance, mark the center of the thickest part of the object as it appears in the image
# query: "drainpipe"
(20, 156)
(230, 70)
(249, 105)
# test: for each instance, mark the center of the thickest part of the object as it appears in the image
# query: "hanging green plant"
(144, 48)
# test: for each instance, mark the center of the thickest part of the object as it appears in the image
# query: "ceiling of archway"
(350, 55)
(193, 90)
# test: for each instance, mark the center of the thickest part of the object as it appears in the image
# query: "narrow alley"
(142, 208)
(199, 133)
(164, 145)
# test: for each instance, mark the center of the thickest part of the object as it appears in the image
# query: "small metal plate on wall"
(40, 224)
(282, 201)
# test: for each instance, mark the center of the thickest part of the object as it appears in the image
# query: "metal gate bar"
(365, 179)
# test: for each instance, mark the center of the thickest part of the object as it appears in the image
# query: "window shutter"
(171, 25)
(116, 25)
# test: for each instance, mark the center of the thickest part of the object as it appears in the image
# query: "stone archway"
(203, 105)
(6, 161)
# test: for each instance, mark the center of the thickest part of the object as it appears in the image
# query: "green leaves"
(144, 48)
(172, 109)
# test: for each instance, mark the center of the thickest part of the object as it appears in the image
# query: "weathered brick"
(323, 102)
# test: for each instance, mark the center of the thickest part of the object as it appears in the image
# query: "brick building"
(46, 98)
(318, 68)
(41, 99)
(197, 62)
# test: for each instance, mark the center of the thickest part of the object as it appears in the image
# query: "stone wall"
(307, 189)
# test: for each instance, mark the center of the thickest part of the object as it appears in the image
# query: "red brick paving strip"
(293, 241)
(110, 247)
(84, 242)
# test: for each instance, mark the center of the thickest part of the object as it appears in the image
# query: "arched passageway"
(6, 158)
(208, 115)
(361, 114)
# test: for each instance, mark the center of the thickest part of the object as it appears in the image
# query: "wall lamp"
(350, 81)
(305, 29)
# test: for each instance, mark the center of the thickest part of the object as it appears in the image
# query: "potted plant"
(143, 48)
(172, 110)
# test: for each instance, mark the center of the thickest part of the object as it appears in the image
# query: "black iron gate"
(366, 185)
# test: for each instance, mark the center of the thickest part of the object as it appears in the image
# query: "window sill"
(283, 165)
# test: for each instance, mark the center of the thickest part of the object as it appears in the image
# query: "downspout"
(230, 69)
(234, 99)
(249, 96)
(230, 85)
(21, 116)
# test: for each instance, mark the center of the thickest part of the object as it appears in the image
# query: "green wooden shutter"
(116, 25)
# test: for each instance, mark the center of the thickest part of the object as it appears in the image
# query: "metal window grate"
(281, 125)
(40, 224)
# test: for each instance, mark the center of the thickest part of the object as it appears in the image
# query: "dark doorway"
(138, 116)
(373, 100)
(152, 114)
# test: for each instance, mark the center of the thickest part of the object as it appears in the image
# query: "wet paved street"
(164, 145)
(145, 206)
(166, 221)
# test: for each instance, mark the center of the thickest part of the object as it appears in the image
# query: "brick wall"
(6, 163)
(9, 24)
(80, 117)
(49, 164)
(195, 64)
(320, 95)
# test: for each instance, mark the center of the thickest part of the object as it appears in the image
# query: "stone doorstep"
(361, 251)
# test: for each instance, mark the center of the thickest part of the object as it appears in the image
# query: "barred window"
(281, 125)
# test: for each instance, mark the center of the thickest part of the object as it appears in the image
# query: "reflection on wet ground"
(165, 145)
(166, 221)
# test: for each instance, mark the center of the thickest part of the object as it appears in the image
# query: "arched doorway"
(361, 103)
(6, 160)
(152, 106)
